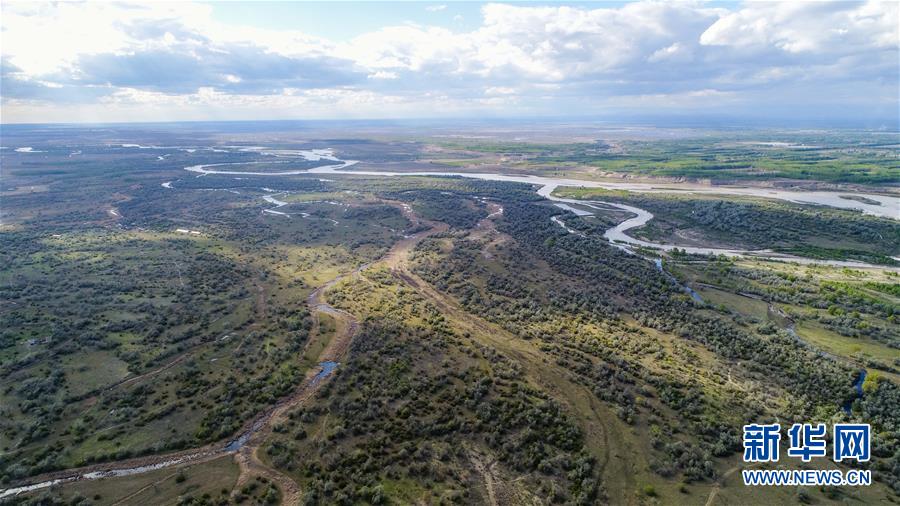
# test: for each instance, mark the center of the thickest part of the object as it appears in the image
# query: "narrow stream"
(234, 445)
(858, 386)
(327, 368)
(877, 205)
(690, 291)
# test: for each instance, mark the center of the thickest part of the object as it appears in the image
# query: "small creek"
(327, 368)
(858, 386)
(690, 291)
(877, 205)
(236, 444)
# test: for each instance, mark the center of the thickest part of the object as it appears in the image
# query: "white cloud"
(675, 52)
(382, 74)
(499, 90)
(41, 38)
(808, 27)
(158, 57)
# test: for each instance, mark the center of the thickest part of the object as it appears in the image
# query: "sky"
(110, 62)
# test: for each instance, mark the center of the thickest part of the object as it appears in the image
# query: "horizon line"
(674, 121)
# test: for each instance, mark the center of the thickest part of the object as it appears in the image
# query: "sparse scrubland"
(495, 357)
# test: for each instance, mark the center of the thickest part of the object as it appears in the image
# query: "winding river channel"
(876, 205)
(208, 452)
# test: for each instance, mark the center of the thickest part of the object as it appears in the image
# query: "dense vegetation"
(501, 359)
(849, 157)
(139, 319)
(417, 409)
(587, 281)
(853, 309)
(808, 231)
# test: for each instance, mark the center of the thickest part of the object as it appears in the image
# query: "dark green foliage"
(410, 404)
(594, 282)
(808, 231)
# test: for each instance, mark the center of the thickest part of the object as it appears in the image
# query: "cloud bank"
(115, 62)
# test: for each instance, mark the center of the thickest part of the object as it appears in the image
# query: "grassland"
(754, 223)
(605, 336)
(852, 157)
(167, 323)
(832, 308)
(499, 360)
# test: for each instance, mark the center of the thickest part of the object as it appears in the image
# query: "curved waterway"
(327, 368)
(858, 389)
(876, 205)
(688, 290)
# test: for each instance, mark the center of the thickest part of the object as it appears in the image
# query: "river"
(327, 368)
(876, 205)
(886, 207)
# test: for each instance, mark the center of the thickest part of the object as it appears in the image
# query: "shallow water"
(328, 368)
(690, 291)
(859, 391)
(272, 200)
(887, 206)
(578, 212)
(555, 219)
(11, 492)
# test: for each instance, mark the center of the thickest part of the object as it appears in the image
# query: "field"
(746, 156)
(479, 353)
(844, 312)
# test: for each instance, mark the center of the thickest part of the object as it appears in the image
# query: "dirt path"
(261, 306)
(148, 374)
(245, 444)
(346, 326)
(487, 473)
(250, 465)
(253, 433)
(718, 484)
(720, 481)
(248, 457)
(143, 489)
(604, 438)
(91, 399)
(600, 434)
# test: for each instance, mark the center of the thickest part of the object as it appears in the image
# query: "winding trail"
(245, 445)
(717, 485)
(604, 439)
